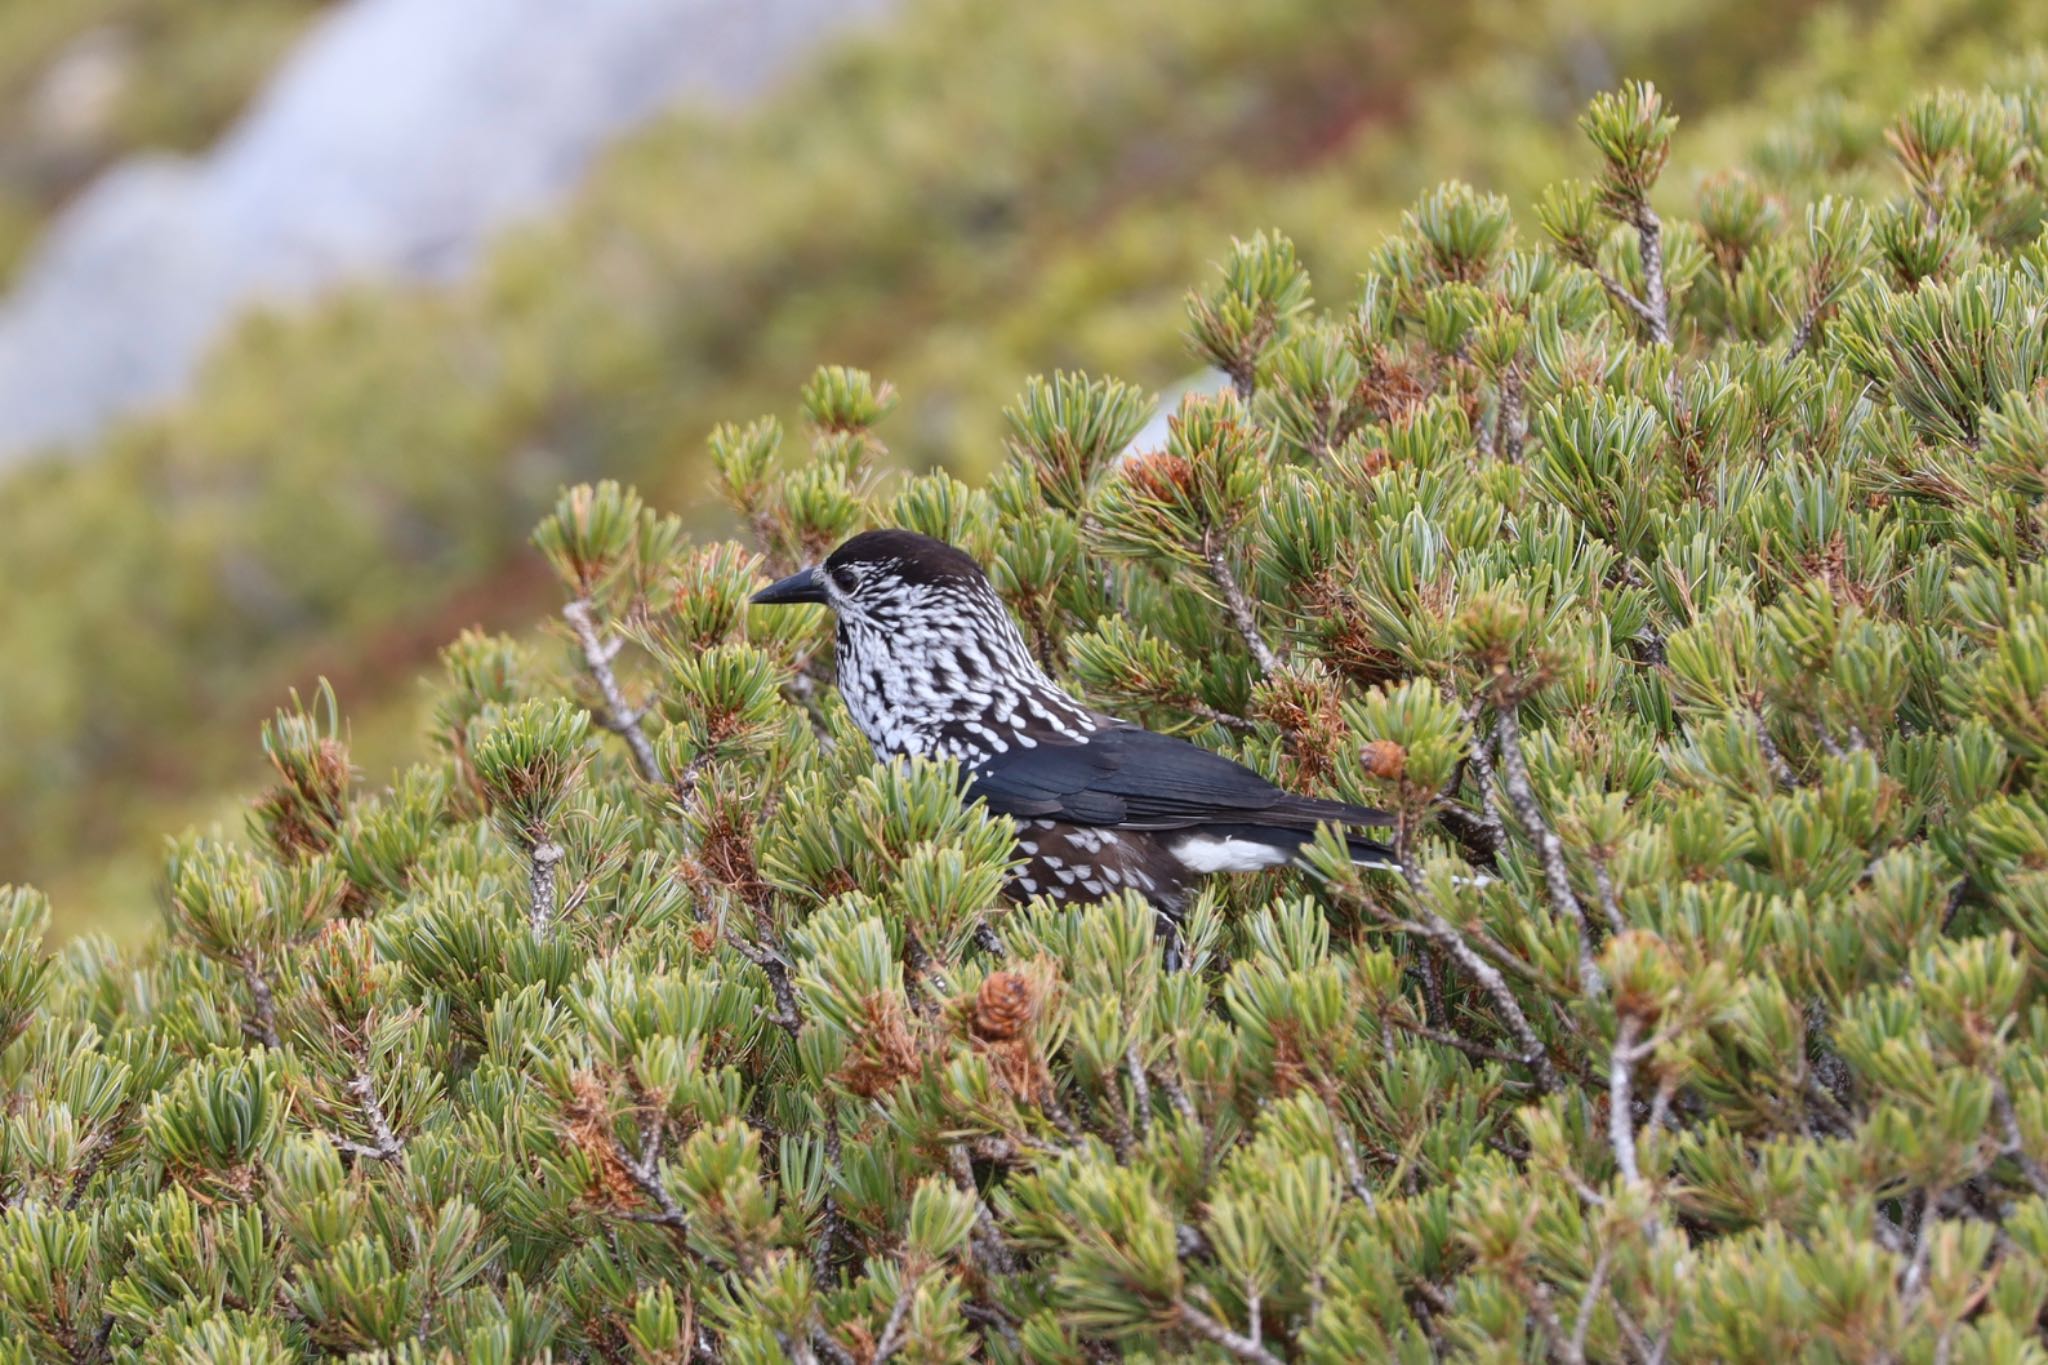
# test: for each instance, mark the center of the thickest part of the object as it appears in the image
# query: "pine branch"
(618, 716)
(1621, 1123)
(786, 1014)
(991, 1253)
(891, 1340)
(1141, 1091)
(386, 1146)
(829, 1233)
(541, 862)
(1511, 423)
(644, 1171)
(1650, 239)
(1588, 1301)
(1780, 769)
(1436, 927)
(1237, 605)
(1624, 296)
(1214, 1332)
(264, 1027)
(2015, 1146)
(1521, 798)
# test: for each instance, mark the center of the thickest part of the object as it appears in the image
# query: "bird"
(930, 664)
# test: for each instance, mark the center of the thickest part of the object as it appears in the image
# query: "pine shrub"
(1677, 583)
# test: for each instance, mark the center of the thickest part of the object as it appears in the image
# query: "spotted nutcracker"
(931, 664)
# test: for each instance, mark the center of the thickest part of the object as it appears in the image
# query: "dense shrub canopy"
(978, 191)
(1677, 583)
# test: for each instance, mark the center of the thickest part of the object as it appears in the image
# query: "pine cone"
(1384, 758)
(1004, 1006)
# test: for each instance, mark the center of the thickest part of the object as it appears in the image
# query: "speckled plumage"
(931, 664)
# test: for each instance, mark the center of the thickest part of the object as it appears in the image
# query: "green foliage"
(1698, 648)
(353, 482)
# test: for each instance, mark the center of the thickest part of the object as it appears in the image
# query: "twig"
(786, 1014)
(1477, 1051)
(264, 1026)
(619, 717)
(1436, 927)
(1780, 769)
(1802, 334)
(385, 1145)
(1610, 907)
(828, 1235)
(1621, 1123)
(1238, 606)
(1545, 1309)
(1588, 1301)
(1521, 797)
(1210, 1330)
(2009, 1125)
(990, 1251)
(988, 1315)
(1141, 1090)
(891, 1340)
(1354, 1169)
(829, 1348)
(95, 1149)
(1481, 763)
(541, 880)
(645, 1174)
(684, 788)
(1650, 237)
(1511, 426)
(1622, 295)
(1216, 717)
(1177, 1096)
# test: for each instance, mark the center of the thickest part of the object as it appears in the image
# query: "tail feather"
(1371, 853)
(1364, 852)
(1306, 812)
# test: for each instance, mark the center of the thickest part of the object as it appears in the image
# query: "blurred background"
(308, 306)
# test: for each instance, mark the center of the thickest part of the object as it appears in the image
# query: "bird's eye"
(847, 580)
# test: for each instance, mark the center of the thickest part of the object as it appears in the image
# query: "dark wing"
(1135, 779)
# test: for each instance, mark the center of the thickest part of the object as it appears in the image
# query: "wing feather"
(1135, 779)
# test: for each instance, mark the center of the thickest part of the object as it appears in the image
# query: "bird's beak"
(801, 586)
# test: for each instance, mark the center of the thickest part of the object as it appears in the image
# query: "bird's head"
(883, 578)
(929, 660)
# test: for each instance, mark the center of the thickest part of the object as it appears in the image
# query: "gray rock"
(397, 138)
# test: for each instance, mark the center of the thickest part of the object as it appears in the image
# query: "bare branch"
(786, 1015)
(1521, 797)
(1590, 1300)
(1780, 769)
(1650, 238)
(644, 1171)
(1436, 927)
(1621, 1123)
(1477, 1051)
(1141, 1090)
(1238, 606)
(264, 1027)
(891, 1340)
(1511, 424)
(385, 1144)
(2015, 1146)
(1622, 295)
(619, 717)
(1214, 1332)
(541, 882)
(991, 1253)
